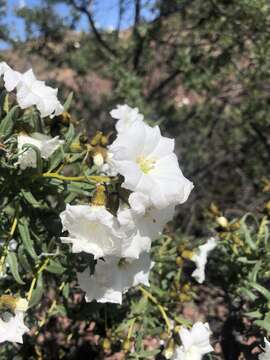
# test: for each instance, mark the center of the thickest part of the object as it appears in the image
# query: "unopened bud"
(187, 254)
(21, 304)
(99, 198)
(126, 346)
(98, 159)
(222, 221)
(169, 351)
(214, 209)
(106, 345)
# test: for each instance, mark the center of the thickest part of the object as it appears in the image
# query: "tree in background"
(199, 67)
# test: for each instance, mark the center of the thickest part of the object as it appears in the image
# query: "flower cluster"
(121, 242)
(112, 198)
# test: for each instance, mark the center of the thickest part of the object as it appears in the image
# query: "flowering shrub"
(86, 216)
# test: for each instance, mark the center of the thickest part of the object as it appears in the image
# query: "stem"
(93, 178)
(130, 330)
(160, 307)
(33, 283)
(5, 249)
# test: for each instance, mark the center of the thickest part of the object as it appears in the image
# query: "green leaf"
(37, 292)
(69, 136)
(56, 159)
(262, 290)
(55, 267)
(28, 196)
(253, 274)
(6, 124)
(68, 102)
(13, 265)
(265, 324)
(26, 239)
(66, 291)
(247, 293)
(254, 314)
(23, 259)
(248, 237)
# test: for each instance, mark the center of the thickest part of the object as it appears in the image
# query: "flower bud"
(169, 351)
(21, 304)
(214, 209)
(98, 159)
(126, 346)
(222, 221)
(187, 254)
(106, 345)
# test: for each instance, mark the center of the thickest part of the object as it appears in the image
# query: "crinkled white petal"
(141, 228)
(195, 342)
(11, 78)
(113, 277)
(31, 91)
(13, 329)
(92, 229)
(46, 145)
(266, 354)
(200, 258)
(126, 116)
(149, 166)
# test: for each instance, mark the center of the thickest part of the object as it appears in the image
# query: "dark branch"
(162, 85)
(84, 10)
(136, 34)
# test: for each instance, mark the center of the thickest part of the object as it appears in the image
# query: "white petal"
(46, 145)
(200, 258)
(113, 277)
(12, 79)
(196, 342)
(92, 229)
(266, 354)
(13, 329)
(126, 116)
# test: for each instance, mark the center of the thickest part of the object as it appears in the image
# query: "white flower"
(13, 328)
(31, 91)
(126, 116)
(11, 77)
(92, 229)
(200, 258)
(149, 165)
(195, 342)
(113, 277)
(141, 224)
(46, 145)
(266, 354)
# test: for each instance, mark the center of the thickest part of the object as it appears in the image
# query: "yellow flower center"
(146, 165)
